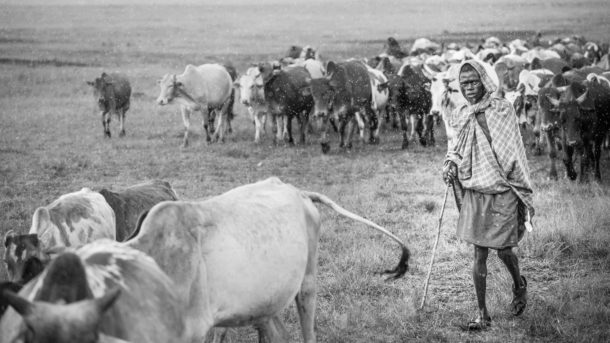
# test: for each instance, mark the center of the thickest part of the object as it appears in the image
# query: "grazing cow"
(345, 96)
(112, 92)
(252, 95)
(104, 292)
(285, 101)
(409, 98)
(204, 88)
(584, 117)
(129, 203)
(72, 220)
(241, 257)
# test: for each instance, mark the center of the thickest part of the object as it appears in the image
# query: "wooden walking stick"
(438, 235)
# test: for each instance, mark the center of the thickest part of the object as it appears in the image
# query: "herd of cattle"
(560, 91)
(142, 265)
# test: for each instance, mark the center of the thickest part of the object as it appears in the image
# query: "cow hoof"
(422, 142)
(374, 140)
(107, 134)
(325, 147)
(405, 144)
(572, 176)
(341, 145)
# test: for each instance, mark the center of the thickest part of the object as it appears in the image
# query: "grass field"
(51, 143)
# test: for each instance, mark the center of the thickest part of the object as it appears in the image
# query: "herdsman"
(489, 162)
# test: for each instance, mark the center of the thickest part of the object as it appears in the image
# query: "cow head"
(570, 106)
(251, 87)
(23, 257)
(64, 310)
(169, 89)
(103, 92)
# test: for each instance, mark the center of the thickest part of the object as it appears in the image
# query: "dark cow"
(410, 98)
(392, 48)
(344, 95)
(285, 100)
(584, 119)
(129, 203)
(103, 293)
(112, 93)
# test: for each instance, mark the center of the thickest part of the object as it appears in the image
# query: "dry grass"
(51, 143)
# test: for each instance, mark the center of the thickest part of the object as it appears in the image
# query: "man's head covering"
(487, 79)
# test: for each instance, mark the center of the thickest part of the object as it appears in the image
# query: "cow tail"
(403, 264)
(138, 226)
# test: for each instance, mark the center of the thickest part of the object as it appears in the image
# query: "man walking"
(489, 162)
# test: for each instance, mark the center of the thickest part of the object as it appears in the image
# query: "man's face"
(471, 86)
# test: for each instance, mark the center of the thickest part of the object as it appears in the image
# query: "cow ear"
(21, 305)
(581, 99)
(553, 101)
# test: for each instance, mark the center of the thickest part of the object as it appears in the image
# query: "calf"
(204, 88)
(103, 292)
(112, 93)
(241, 257)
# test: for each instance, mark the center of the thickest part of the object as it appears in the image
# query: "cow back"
(352, 78)
(207, 83)
(283, 91)
(129, 204)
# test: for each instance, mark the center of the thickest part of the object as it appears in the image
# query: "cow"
(584, 118)
(379, 94)
(204, 88)
(556, 65)
(525, 102)
(284, 99)
(424, 45)
(446, 98)
(508, 68)
(129, 203)
(71, 220)
(112, 93)
(104, 292)
(264, 235)
(409, 98)
(252, 95)
(344, 95)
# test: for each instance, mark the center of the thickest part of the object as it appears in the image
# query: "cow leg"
(279, 124)
(597, 154)
(258, 126)
(272, 330)
(304, 125)
(288, 128)
(419, 128)
(122, 122)
(106, 123)
(585, 159)
(186, 119)
(206, 120)
(413, 124)
(552, 154)
(221, 123)
(360, 122)
(351, 127)
(306, 298)
(428, 123)
(405, 130)
(373, 125)
(569, 162)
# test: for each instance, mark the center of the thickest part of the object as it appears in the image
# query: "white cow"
(104, 292)
(252, 95)
(241, 257)
(204, 88)
(446, 98)
(380, 95)
(72, 220)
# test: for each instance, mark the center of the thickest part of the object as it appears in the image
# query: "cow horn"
(21, 305)
(582, 98)
(553, 101)
(107, 300)
(8, 238)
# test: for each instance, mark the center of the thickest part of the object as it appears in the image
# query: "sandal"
(519, 298)
(478, 324)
